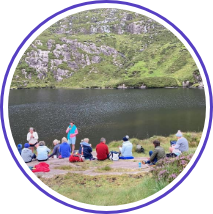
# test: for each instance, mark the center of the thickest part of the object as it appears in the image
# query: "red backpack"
(77, 157)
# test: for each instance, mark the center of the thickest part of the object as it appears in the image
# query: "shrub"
(168, 169)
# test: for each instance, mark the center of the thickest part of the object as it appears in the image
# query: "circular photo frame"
(208, 120)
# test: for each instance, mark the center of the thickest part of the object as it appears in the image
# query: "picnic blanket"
(126, 157)
(41, 167)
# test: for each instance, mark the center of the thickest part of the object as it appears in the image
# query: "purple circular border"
(102, 2)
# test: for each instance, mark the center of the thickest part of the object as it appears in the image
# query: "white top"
(34, 139)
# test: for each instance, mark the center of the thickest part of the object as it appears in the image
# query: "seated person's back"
(102, 150)
(126, 150)
(87, 149)
(42, 151)
(182, 144)
(64, 149)
(27, 154)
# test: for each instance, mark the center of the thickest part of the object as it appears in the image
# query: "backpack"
(172, 142)
(140, 149)
(114, 156)
(75, 158)
(171, 155)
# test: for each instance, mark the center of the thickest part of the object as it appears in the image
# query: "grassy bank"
(107, 190)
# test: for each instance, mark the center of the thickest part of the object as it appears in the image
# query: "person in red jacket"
(102, 150)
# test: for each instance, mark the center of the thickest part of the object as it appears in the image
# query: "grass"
(109, 190)
(155, 58)
(71, 168)
(104, 190)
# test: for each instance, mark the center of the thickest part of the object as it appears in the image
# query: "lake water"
(105, 113)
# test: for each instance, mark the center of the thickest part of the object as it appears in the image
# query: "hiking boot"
(143, 162)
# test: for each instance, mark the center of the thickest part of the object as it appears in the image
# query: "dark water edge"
(105, 113)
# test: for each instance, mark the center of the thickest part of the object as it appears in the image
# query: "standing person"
(72, 131)
(181, 144)
(64, 148)
(55, 152)
(42, 151)
(155, 155)
(102, 150)
(32, 138)
(126, 149)
(27, 154)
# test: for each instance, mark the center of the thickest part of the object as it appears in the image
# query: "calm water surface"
(105, 113)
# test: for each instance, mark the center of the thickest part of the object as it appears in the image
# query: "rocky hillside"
(106, 48)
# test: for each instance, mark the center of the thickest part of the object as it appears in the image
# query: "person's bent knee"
(171, 149)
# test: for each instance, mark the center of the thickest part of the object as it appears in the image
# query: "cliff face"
(106, 48)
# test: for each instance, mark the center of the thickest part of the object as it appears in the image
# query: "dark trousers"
(155, 159)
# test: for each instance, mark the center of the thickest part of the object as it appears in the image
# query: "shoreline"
(104, 88)
(192, 136)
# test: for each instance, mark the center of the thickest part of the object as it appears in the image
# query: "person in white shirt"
(32, 138)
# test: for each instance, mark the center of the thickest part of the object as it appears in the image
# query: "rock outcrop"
(104, 46)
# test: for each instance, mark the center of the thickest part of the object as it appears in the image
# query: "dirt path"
(89, 167)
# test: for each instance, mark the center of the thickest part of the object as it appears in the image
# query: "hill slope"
(106, 48)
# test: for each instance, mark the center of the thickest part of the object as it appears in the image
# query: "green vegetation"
(155, 57)
(108, 190)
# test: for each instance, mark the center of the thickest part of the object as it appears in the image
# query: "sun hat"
(26, 145)
(179, 134)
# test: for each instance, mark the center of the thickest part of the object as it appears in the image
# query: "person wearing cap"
(27, 154)
(55, 152)
(126, 149)
(72, 131)
(181, 144)
(155, 155)
(19, 147)
(32, 138)
(102, 150)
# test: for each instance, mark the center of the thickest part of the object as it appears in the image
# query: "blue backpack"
(173, 142)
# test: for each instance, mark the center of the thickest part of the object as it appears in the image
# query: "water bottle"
(139, 165)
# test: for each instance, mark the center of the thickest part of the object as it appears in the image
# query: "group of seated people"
(63, 150)
(176, 149)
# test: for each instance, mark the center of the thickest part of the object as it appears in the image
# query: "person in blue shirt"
(64, 149)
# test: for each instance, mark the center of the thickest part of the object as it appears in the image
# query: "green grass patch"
(109, 190)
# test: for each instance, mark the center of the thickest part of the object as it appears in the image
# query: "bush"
(168, 169)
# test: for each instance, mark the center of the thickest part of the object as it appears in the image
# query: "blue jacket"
(87, 150)
(126, 150)
(65, 150)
